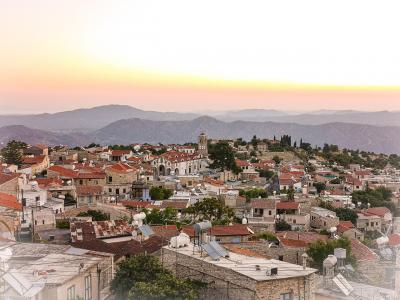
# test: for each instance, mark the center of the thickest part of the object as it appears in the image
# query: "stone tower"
(202, 144)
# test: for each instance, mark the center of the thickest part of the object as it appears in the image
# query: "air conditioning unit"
(272, 272)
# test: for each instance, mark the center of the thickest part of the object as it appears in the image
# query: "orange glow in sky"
(207, 55)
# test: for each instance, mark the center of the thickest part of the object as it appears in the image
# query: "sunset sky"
(199, 55)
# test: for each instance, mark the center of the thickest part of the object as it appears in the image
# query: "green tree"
(290, 194)
(379, 197)
(276, 159)
(320, 250)
(211, 209)
(282, 225)
(346, 214)
(223, 157)
(140, 268)
(157, 193)
(12, 152)
(253, 193)
(165, 287)
(320, 186)
(160, 217)
(97, 215)
(69, 200)
(266, 173)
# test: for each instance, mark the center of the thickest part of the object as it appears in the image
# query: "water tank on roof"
(340, 253)
(140, 216)
(244, 221)
(202, 226)
(383, 240)
(332, 229)
(330, 262)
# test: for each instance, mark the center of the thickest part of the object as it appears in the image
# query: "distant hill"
(88, 119)
(37, 136)
(353, 136)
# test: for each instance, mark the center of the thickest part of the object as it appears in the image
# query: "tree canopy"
(143, 277)
(161, 217)
(97, 215)
(157, 193)
(378, 197)
(211, 209)
(223, 157)
(320, 250)
(12, 152)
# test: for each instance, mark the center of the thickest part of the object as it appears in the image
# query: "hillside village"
(260, 219)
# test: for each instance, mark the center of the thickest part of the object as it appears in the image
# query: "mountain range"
(381, 139)
(91, 119)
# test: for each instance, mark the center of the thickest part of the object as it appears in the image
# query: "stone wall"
(224, 283)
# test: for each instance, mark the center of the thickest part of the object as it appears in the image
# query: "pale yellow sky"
(191, 55)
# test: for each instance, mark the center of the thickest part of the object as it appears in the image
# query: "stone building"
(322, 218)
(203, 145)
(240, 276)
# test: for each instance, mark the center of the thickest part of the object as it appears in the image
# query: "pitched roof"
(120, 168)
(32, 160)
(378, 211)
(263, 203)
(120, 152)
(362, 252)
(86, 231)
(293, 243)
(7, 177)
(64, 172)
(9, 201)
(307, 237)
(287, 205)
(85, 190)
(174, 204)
(394, 240)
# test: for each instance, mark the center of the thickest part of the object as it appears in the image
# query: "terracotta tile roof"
(243, 251)
(363, 173)
(86, 190)
(125, 248)
(136, 204)
(378, 211)
(242, 163)
(32, 160)
(120, 152)
(165, 231)
(10, 202)
(86, 231)
(175, 156)
(90, 175)
(48, 182)
(293, 243)
(64, 172)
(307, 237)
(213, 181)
(287, 205)
(120, 168)
(362, 252)
(175, 204)
(394, 240)
(7, 177)
(347, 224)
(263, 203)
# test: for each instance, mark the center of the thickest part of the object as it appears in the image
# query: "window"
(269, 212)
(43, 222)
(81, 182)
(71, 293)
(287, 296)
(117, 191)
(124, 191)
(88, 287)
(281, 257)
(110, 190)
